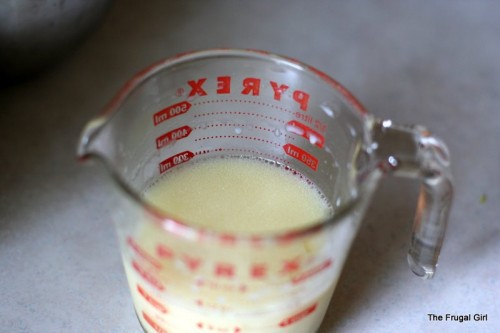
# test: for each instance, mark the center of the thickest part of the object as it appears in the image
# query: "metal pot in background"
(35, 34)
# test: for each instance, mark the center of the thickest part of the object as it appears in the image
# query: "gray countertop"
(435, 63)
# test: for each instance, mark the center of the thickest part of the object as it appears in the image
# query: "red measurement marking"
(258, 271)
(213, 306)
(306, 132)
(240, 101)
(175, 160)
(226, 287)
(290, 265)
(211, 328)
(164, 252)
(159, 306)
(242, 137)
(313, 271)
(142, 253)
(175, 134)
(147, 276)
(301, 155)
(191, 263)
(153, 324)
(224, 270)
(228, 239)
(170, 112)
(298, 316)
(240, 113)
(287, 238)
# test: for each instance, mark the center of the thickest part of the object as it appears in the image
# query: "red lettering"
(224, 85)
(278, 91)
(302, 98)
(170, 112)
(173, 135)
(152, 323)
(160, 307)
(313, 271)
(300, 129)
(258, 271)
(224, 269)
(148, 276)
(177, 159)
(191, 263)
(301, 155)
(164, 252)
(142, 253)
(290, 266)
(228, 239)
(298, 316)
(196, 88)
(251, 85)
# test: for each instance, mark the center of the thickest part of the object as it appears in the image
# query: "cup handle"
(412, 151)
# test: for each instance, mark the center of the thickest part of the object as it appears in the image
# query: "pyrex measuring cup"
(252, 104)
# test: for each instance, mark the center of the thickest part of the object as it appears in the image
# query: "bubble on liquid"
(238, 130)
(277, 132)
(327, 110)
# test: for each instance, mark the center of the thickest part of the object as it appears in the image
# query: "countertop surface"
(435, 63)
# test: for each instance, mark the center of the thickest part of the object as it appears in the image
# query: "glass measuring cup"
(252, 104)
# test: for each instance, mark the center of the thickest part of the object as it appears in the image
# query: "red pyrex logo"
(248, 86)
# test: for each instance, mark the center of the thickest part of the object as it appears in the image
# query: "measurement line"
(218, 101)
(244, 125)
(209, 114)
(237, 137)
(245, 151)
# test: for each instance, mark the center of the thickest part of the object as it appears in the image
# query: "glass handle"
(412, 151)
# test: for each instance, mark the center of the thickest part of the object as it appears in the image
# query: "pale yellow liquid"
(230, 195)
(239, 195)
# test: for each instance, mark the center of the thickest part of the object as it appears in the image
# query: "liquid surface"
(238, 195)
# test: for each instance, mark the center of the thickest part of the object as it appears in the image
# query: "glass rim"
(193, 232)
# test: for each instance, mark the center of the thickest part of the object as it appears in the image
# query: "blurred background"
(434, 63)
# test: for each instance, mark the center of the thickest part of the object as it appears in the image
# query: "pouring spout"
(90, 143)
